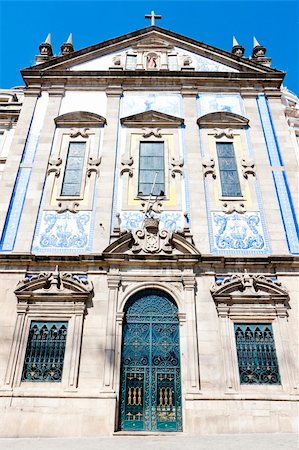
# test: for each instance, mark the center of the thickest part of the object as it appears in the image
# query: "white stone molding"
(148, 132)
(248, 168)
(75, 132)
(150, 239)
(226, 132)
(209, 167)
(233, 206)
(54, 166)
(249, 298)
(77, 126)
(93, 166)
(49, 296)
(177, 166)
(127, 162)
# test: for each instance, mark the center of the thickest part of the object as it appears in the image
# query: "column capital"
(189, 91)
(114, 91)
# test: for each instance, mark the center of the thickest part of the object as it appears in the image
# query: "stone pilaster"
(38, 175)
(192, 381)
(195, 179)
(17, 146)
(113, 285)
(104, 201)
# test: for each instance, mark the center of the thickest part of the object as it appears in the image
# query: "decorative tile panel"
(133, 103)
(63, 233)
(23, 177)
(171, 221)
(236, 233)
(208, 103)
(202, 64)
(284, 197)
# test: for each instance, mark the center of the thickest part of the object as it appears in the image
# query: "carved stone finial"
(258, 49)
(68, 47)
(45, 48)
(259, 52)
(237, 49)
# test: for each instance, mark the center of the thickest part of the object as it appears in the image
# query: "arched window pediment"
(240, 294)
(222, 119)
(80, 119)
(46, 285)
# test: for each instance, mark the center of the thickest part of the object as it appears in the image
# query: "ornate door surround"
(150, 391)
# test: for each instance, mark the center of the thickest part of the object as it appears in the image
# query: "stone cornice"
(202, 262)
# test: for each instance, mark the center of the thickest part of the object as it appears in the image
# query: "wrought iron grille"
(256, 354)
(150, 379)
(45, 351)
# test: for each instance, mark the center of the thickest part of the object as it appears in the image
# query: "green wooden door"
(150, 395)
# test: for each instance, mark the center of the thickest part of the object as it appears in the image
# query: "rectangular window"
(45, 351)
(229, 178)
(151, 162)
(256, 354)
(72, 179)
(131, 62)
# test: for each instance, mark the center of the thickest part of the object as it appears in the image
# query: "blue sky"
(25, 24)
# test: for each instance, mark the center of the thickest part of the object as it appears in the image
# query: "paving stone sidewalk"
(274, 441)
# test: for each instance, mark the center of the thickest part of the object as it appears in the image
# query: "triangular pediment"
(152, 119)
(101, 57)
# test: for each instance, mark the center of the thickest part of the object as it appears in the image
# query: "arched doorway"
(150, 393)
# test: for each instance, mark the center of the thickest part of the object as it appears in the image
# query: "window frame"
(40, 300)
(258, 323)
(139, 194)
(237, 170)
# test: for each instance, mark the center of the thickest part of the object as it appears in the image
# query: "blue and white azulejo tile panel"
(171, 221)
(238, 233)
(63, 232)
(208, 103)
(134, 103)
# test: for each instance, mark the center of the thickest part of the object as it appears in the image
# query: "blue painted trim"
(267, 249)
(15, 210)
(268, 131)
(291, 203)
(286, 210)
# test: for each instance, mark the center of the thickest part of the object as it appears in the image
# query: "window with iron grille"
(256, 354)
(229, 178)
(45, 351)
(151, 167)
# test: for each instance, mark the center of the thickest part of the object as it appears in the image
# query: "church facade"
(149, 241)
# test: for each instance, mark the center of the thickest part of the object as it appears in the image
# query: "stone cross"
(152, 16)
